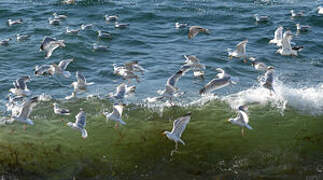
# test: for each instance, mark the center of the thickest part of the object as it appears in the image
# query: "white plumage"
(80, 123)
(116, 114)
(242, 119)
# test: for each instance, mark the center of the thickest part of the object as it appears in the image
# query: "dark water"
(287, 138)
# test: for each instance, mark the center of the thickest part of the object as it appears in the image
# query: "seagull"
(11, 22)
(21, 87)
(179, 26)
(125, 73)
(72, 31)
(278, 37)
(59, 16)
(171, 88)
(99, 47)
(60, 68)
(122, 91)
(42, 70)
(49, 45)
(134, 66)
(85, 26)
(302, 28)
(260, 66)
(190, 59)
(222, 80)
(240, 51)
(111, 18)
(286, 49)
(192, 63)
(24, 111)
(260, 19)
(299, 14)
(69, 2)
(81, 83)
(320, 10)
(80, 123)
(22, 37)
(103, 34)
(60, 111)
(118, 25)
(54, 21)
(194, 30)
(242, 119)
(13, 103)
(179, 126)
(269, 79)
(116, 115)
(5, 42)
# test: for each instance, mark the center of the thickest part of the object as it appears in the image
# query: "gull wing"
(279, 33)
(80, 78)
(117, 111)
(121, 90)
(193, 31)
(45, 42)
(80, 119)
(179, 125)
(241, 47)
(174, 78)
(64, 63)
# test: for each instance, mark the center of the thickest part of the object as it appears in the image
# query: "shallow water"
(287, 138)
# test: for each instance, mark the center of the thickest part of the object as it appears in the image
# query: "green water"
(278, 146)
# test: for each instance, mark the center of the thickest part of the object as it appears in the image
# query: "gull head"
(230, 120)
(69, 124)
(243, 108)
(270, 68)
(166, 133)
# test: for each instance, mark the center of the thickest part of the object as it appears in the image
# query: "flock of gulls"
(20, 103)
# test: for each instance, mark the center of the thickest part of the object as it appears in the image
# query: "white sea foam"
(306, 99)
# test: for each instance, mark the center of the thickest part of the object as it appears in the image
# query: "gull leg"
(242, 131)
(116, 126)
(25, 127)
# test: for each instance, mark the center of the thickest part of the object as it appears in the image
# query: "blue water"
(153, 40)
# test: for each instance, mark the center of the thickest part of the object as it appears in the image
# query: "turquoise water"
(287, 138)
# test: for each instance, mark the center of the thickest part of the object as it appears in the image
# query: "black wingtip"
(202, 91)
(188, 114)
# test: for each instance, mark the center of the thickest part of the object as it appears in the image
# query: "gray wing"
(46, 41)
(26, 109)
(269, 77)
(179, 125)
(121, 91)
(80, 78)
(117, 111)
(20, 83)
(80, 119)
(241, 47)
(194, 30)
(64, 63)
(279, 33)
(215, 84)
(174, 78)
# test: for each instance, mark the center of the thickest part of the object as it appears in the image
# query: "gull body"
(97, 47)
(222, 80)
(24, 111)
(85, 26)
(116, 115)
(22, 37)
(54, 21)
(240, 50)
(60, 68)
(72, 31)
(119, 25)
(261, 18)
(179, 26)
(303, 28)
(20, 87)
(125, 73)
(171, 89)
(269, 79)
(286, 49)
(5, 42)
(42, 70)
(49, 45)
(320, 10)
(11, 22)
(242, 119)
(103, 34)
(278, 36)
(179, 126)
(111, 18)
(59, 16)
(80, 123)
(194, 30)
(80, 84)
(60, 111)
(134, 66)
(122, 91)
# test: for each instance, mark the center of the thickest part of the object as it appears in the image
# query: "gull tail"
(122, 122)
(29, 121)
(84, 133)
(249, 127)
